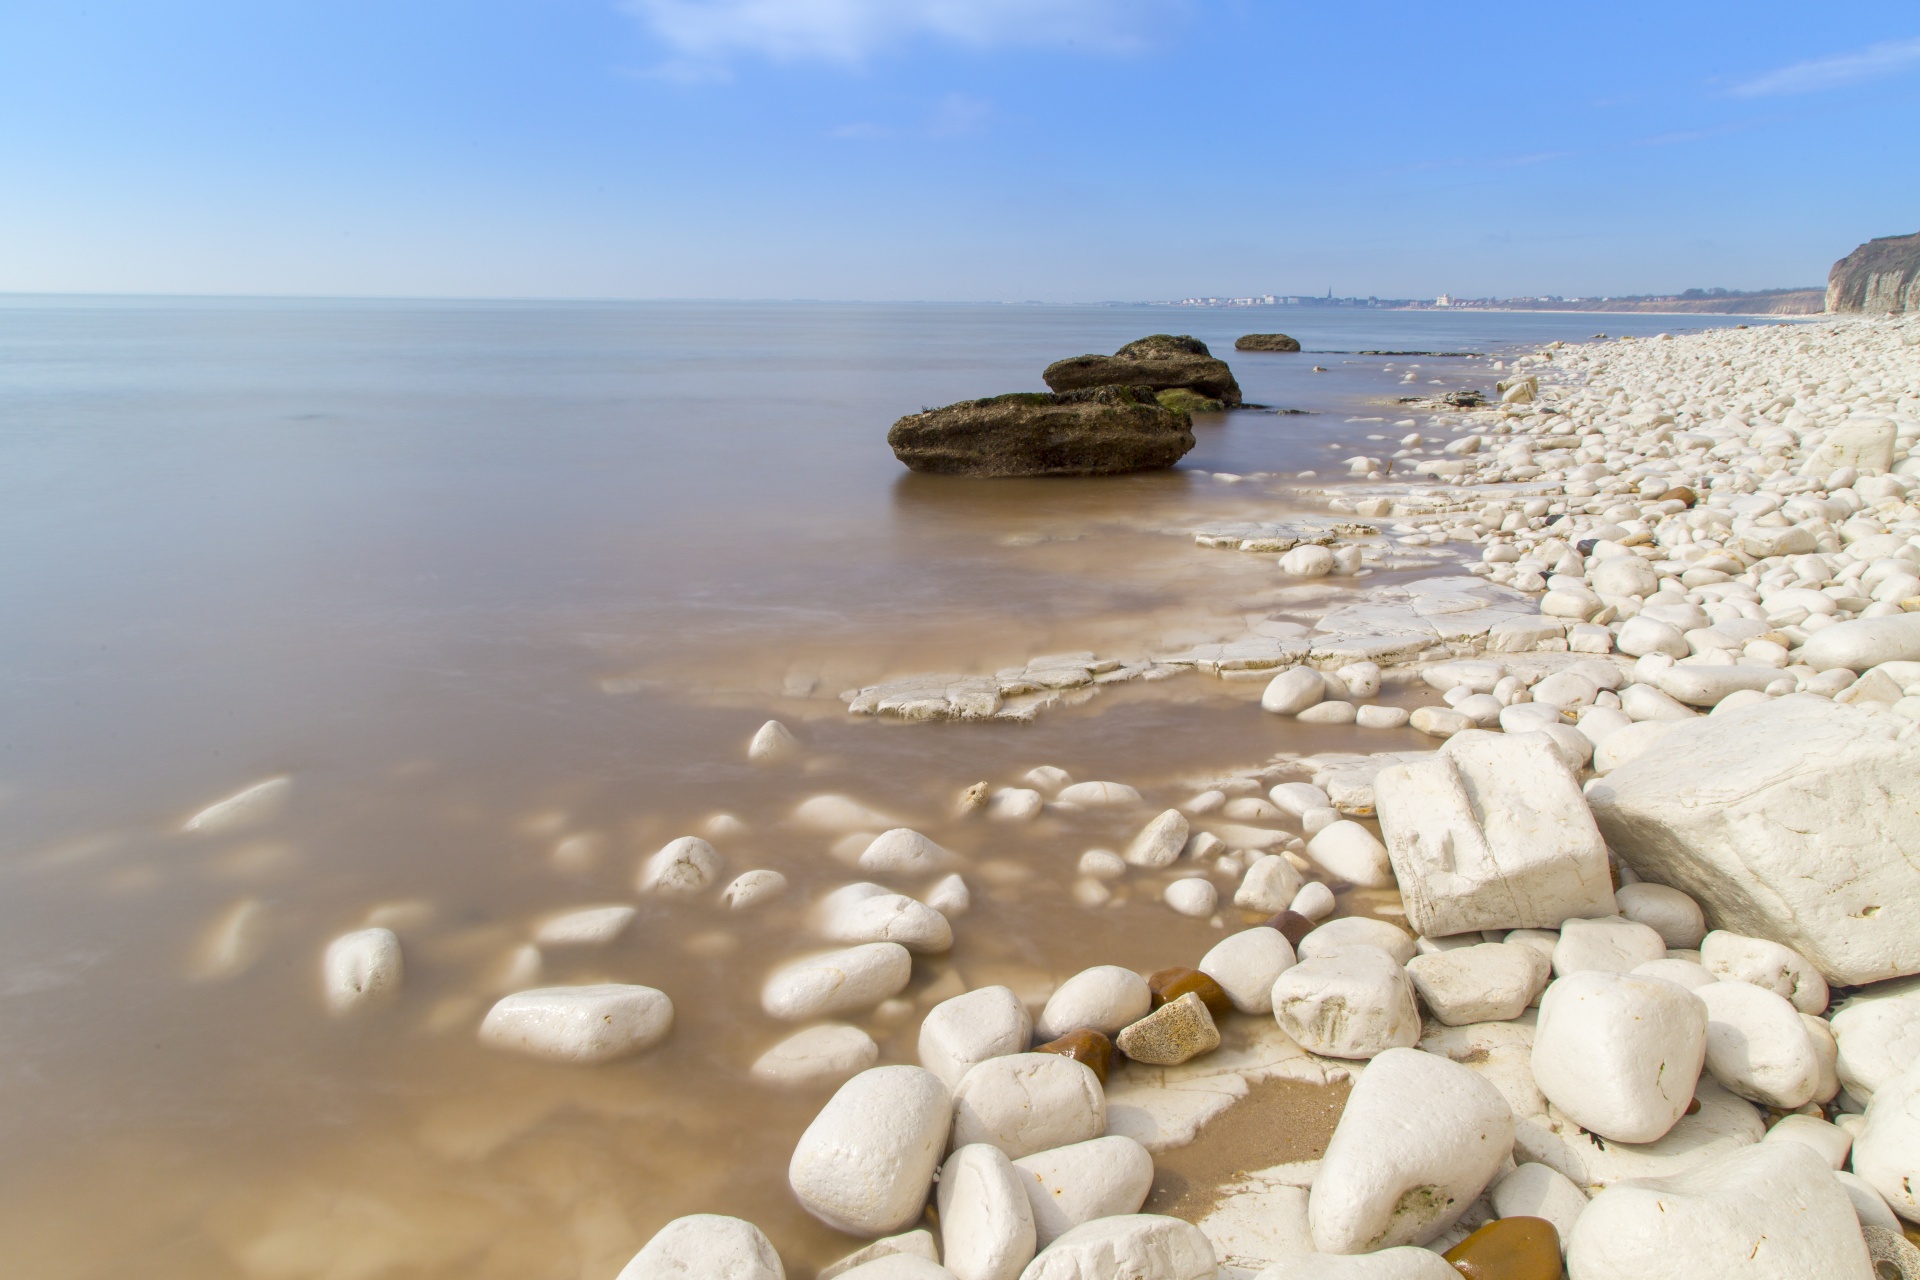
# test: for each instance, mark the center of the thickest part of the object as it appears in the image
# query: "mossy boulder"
(1266, 342)
(1097, 431)
(1162, 362)
(1181, 400)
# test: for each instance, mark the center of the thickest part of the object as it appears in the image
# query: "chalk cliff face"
(1880, 276)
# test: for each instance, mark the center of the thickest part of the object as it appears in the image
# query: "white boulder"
(1348, 851)
(1246, 964)
(1357, 931)
(706, 1246)
(1099, 1178)
(583, 1025)
(1612, 944)
(1490, 982)
(904, 851)
(872, 913)
(1355, 1003)
(1781, 970)
(830, 1052)
(1619, 1054)
(865, 1163)
(1864, 643)
(1105, 998)
(968, 1029)
(986, 1223)
(1492, 833)
(1668, 912)
(1270, 884)
(1028, 1102)
(1137, 1246)
(1878, 1033)
(361, 969)
(836, 981)
(1099, 795)
(1419, 1140)
(1159, 842)
(1887, 1151)
(686, 865)
(750, 888)
(1293, 691)
(1757, 1046)
(1539, 1191)
(1772, 1211)
(772, 742)
(1796, 820)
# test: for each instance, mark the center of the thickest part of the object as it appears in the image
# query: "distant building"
(1444, 300)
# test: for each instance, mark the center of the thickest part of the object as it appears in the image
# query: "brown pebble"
(1680, 494)
(1291, 924)
(1693, 1106)
(1171, 984)
(1171, 1034)
(1084, 1046)
(1511, 1249)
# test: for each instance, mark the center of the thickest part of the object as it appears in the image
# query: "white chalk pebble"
(361, 968)
(903, 850)
(1102, 864)
(1682, 973)
(750, 888)
(581, 1025)
(900, 1266)
(1355, 1003)
(1348, 851)
(1619, 1054)
(1270, 885)
(965, 1030)
(706, 1244)
(866, 1162)
(1375, 716)
(1886, 1152)
(1246, 965)
(1757, 1046)
(1670, 913)
(1314, 901)
(1764, 963)
(1028, 1102)
(949, 896)
(250, 807)
(1297, 798)
(1307, 562)
(1314, 821)
(1014, 804)
(686, 865)
(1357, 931)
(1100, 795)
(872, 913)
(1878, 1031)
(1138, 1246)
(1328, 713)
(1490, 982)
(1205, 802)
(1191, 896)
(986, 1222)
(1361, 678)
(1419, 1140)
(837, 981)
(1160, 841)
(1830, 1140)
(891, 1254)
(1100, 1178)
(1105, 998)
(1612, 944)
(818, 1055)
(585, 927)
(1540, 1191)
(772, 743)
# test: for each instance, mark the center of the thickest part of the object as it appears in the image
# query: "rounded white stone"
(899, 1266)
(1724, 1218)
(1293, 691)
(865, 1163)
(772, 743)
(968, 1029)
(1307, 562)
(871, 913)
(1102, 864)
(1328, 713)
(1419, 1140)
(1297, 798)
(706, 1246)
(836, 981)
(1137, 1246)
(750, 888)
(361, 968)
(1619, 1054)
(1439, 722)
(1245, 964)
(1191, 896)
(1358, 931)
(585, 1025)
(1641, 635)
(829, 1052)
(1270, 884)
(1374, 716)
(587, 927)
(839, 814)
(1314, 901)
(1355, 1003)
(986, 1222)
(1350, 852)
(1105, 998)
(1491, 982)
(1757, 1047)
(1682, 973)
(1830, 1140)
(1540, 1191)
(1887, 1151)
(949, 895)
(1160, 841)
(1864, 643)
(1100, 1178)
(1028, 1102)
(1014, 804)
(1614, 944)
(1878, 1032)
(1100, 795)
(686, 865)
(905, 851)
(1047, 779)
(1779, 969)
(1670, 913)
(1868, 1205)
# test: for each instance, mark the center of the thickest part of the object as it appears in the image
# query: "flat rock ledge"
(1098, 431)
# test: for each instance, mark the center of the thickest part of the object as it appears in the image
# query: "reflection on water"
(399, 552)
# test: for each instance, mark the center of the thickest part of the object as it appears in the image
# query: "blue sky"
(1059, 150)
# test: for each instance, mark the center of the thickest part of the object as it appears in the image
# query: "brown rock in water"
(1103, 431)
(1291, 924)
(1162, 362)
(1173, 1033)
(1170, 984)
(971, 801)
(1510, 1249)
(1085, 1046)
(1266, 342)
(1881, 276)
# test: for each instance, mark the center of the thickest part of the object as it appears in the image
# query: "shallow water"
(486, 577)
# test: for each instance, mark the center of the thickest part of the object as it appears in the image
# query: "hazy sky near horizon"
(1058, 150)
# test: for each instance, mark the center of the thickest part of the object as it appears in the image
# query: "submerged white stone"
(686, 865)
(818, 1055)
(836, 981)
(706, 1246)
(581, 1025)
(903, 850)
(361, 969)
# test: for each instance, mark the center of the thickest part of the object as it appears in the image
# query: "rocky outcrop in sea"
(1098, 431)
(1163, 361)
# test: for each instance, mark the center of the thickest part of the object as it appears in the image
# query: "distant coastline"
(1788, 302)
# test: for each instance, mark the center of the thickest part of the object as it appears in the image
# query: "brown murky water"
(505, 589)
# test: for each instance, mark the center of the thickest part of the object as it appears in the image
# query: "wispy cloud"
(850, 31)
(956, 115)
(1876, 60)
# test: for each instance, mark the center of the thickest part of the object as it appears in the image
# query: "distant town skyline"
(1058, 150)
